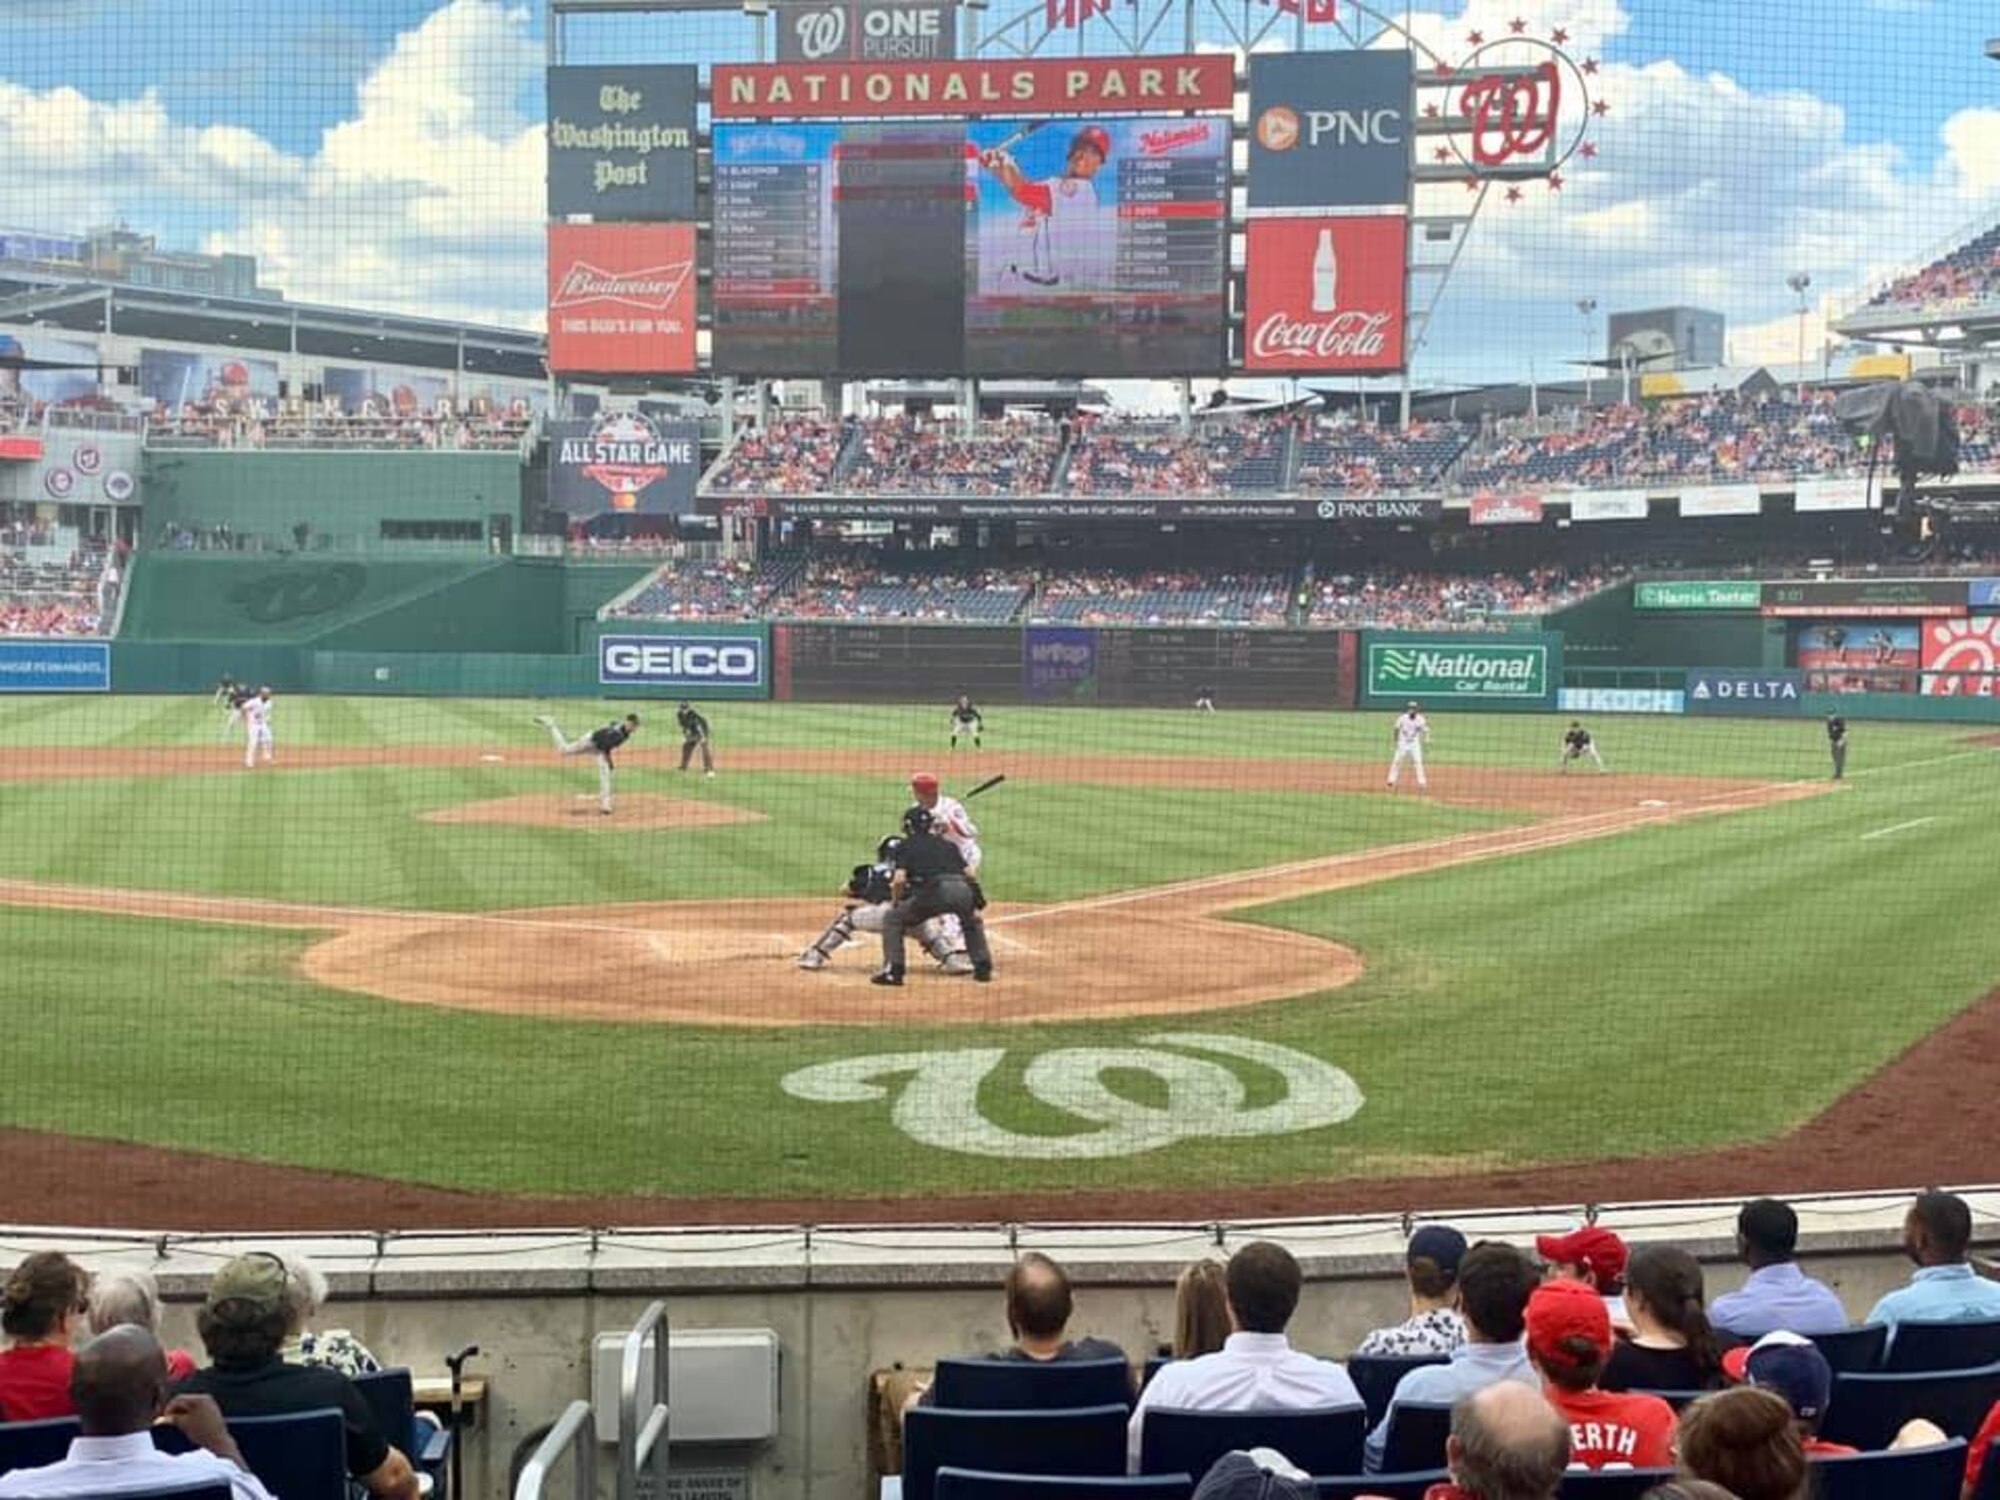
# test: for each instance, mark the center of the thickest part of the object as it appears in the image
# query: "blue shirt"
(1473, 1367)
(1940, 1294)
(1775, 1297)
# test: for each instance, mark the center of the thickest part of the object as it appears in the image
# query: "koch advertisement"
(1040, 86)
(624, 461)
(868, 31)
(621, 142)
(621, 299)
(1507, 672)
(1325, 295)
(1330, 130)
(1715, 691)
(711, 663)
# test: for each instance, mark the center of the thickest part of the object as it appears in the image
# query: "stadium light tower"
(1798, 281)
(1588, 306)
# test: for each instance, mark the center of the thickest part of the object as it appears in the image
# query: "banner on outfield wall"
(1961, 657)
(1506, 510)
(1610, 505)
(1716, 691)
(1331, 130)
(1025, 87)
(1622, 701)
(1059, 663)
(1983, 593)
(623, 461)
(1867, 597)
(1830, 494)
(34, 666)
(1858, 656)
(722, 662)
(868, 31)
(1325, 295)
(1698, 595)
(621, 142)
(1722, 500)
(1517, 671)
(621, 299)
(1364, 510)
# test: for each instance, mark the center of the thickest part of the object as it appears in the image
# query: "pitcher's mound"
(642, 811)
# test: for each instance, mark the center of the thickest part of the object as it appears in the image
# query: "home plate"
(1652, 802)
(489, 759)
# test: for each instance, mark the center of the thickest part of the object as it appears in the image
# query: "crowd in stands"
(1969, 274)
(719, 588)
(261, 424)
(1340, 456)
(1100, 596)
(795, 456)
(1585, 1355)
(905, 456)
(1110, 458)
(1389, 597)
(858, 584)
(72, 592)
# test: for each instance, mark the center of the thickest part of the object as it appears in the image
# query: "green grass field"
(1669, 988)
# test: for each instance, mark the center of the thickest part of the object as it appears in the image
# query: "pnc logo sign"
(681, 661)
(1280, 128)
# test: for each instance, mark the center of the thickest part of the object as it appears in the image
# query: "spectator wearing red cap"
(1569, 1339)
(1594, 1256)
(1672, 1347)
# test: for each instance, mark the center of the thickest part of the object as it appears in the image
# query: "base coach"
(930, 881)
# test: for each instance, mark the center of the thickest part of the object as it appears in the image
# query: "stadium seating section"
(1967, 275)
(49, 587)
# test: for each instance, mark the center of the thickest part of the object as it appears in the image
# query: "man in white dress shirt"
(119, 1385)
(1257, 1369)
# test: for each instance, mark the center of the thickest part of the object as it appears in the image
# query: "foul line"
(1882, 833)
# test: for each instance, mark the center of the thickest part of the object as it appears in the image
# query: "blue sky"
(386, 152)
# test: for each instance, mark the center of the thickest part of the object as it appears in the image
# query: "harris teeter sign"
(1511, 672)
(1723, 594)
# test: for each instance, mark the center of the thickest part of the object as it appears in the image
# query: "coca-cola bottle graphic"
(1326, 275)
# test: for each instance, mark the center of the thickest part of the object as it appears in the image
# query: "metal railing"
(575, 1432)
(642, 1442)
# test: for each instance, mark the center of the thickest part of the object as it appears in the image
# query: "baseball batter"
(1576, 744)
(257, 728)
(1061, 240)
(868, 895)
(1412, 730)
(965, 719)
(602, 743)
(950, 822)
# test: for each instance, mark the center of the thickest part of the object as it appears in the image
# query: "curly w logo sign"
(1457, 670)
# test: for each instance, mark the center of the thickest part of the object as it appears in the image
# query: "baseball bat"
(1017, 137)
(987, 785)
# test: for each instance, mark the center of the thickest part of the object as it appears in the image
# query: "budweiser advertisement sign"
(1083, 85)
(1506, 510)
(621, 299)
(1326, 295)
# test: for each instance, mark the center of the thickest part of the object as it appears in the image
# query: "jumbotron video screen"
(995, 247)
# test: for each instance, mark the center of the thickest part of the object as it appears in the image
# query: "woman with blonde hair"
(119, 1297)
(1201, 1310)
(334, 1348)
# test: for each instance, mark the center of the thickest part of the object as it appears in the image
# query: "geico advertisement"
(681, 661)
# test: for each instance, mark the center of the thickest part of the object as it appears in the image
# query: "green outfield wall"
(354, 499)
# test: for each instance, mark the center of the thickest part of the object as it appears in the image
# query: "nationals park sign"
(1488, 671)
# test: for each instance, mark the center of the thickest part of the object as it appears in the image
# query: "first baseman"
(599, 742)
(1577, 743)
(257, 728)
(965, 719)
(1412, 729)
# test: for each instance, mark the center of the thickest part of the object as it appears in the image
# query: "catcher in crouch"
(868, 900)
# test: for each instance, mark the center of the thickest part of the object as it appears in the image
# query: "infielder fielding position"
(599, 742)
(1412, 729)
(965, 719)
(1577, 743)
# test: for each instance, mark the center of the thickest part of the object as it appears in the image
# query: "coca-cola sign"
(1325, 296)
(621, 299)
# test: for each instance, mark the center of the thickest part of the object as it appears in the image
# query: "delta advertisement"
(626, 462)
(1728, 691)
(1461, 671)
(622, 142)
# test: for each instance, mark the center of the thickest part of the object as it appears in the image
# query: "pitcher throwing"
(599, 742)
(1412, 729)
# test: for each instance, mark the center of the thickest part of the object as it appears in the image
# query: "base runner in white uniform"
(257, 729)
(1412, 729)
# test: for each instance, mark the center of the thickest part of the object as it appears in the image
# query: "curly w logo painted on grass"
(1195, 1097)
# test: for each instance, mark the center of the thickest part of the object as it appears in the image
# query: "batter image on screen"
(1061, 238)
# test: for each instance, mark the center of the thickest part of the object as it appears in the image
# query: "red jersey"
(1976, 1458)
(1615, 1429)
(34, 1383)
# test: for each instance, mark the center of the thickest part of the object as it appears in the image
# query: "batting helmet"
(1092, 138)
(917, 821)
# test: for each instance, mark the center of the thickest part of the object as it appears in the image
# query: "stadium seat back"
(300, 1456)
(1027, 1385)
(1086, 1440)
(1934, 1473)
(1856, 1349)
(29, 1445)
(1417, 1433)
(1385, 1486)
(1320, 1440)
(1611, 1484)
(1988, 1487)
(1678, 1400)
(1867, 1410)
(973, 1484)
(1943, 1346)
(1375, 1376)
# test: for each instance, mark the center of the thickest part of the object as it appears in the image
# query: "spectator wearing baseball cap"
(1494, 1284)
(1569, 1339)
(1255, 1474)
(243, 1324)
(1591, 1255)
(1430, 1262)
(1777, 1294)
(1937, 1234)
(1791, 1367)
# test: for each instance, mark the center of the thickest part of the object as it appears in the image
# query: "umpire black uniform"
(694, 736)
(930, 879)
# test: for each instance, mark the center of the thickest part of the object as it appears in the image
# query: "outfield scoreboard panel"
(1245, 668)
(993, 247)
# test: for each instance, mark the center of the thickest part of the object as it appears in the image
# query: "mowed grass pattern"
(1670, 988)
